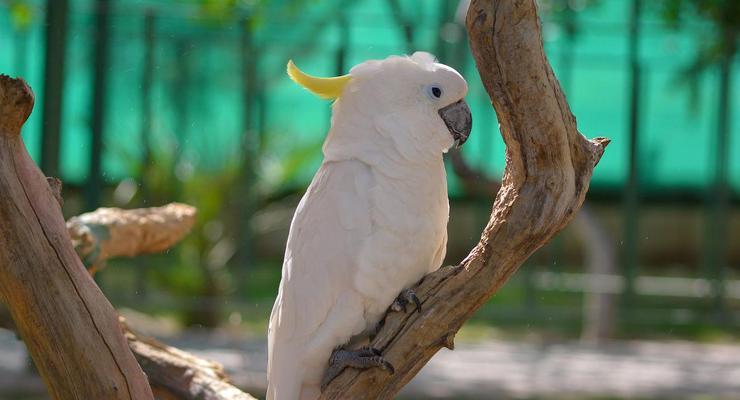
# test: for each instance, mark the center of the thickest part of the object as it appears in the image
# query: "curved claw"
(416, 301)
(404, 298)
(388, 367)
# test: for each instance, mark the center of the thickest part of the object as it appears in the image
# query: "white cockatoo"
(373, 221)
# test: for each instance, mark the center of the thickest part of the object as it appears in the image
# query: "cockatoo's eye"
(434, 92)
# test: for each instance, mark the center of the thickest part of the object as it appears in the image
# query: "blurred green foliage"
(204, 265)
(224, 12)
(724, 18)
(22, 14)
(207, 270)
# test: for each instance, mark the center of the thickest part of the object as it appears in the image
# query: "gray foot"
(363, 358)
(406, 297)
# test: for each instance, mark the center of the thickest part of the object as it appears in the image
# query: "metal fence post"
(147, 83)
(718, 206)
(101, 55)
(630, 255)
(247, 197)
(54, 62)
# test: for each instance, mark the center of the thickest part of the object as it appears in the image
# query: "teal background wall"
(198, 97)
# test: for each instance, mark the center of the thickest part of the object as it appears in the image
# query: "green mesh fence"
(206, 104)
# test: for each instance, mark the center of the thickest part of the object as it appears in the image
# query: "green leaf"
(21, 15)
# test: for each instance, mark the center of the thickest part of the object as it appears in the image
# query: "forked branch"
(548, 170)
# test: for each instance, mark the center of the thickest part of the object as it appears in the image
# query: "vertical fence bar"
(340, 56)
(101, 53)
(407, 28)
(261, 105)
(570, 26)
(718, 205)
(343, 48)
(249, 85)
(147, 83)
(632, 192)
(184, 48)
(246, 194)
(54, 62)
(444, 16)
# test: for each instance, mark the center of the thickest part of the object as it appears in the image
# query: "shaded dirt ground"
(488, 370)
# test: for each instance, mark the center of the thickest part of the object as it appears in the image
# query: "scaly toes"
(363, 358)
(368, 351)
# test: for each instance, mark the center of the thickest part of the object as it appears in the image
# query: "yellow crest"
(326, 88)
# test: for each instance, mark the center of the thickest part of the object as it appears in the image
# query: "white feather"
(372, 222)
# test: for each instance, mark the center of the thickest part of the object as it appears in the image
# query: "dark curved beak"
(459, 121)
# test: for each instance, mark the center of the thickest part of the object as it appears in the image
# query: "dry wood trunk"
(548, 169)
(107, 232)
(69, 327)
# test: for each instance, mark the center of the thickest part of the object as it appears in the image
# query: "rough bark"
(172, 373)
(548, 169)
(176, 374)
(599, 308)
(112, 232)
(69, 327)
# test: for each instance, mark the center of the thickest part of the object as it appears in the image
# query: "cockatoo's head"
(414, 103)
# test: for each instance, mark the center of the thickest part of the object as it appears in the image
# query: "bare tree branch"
(69, 327)
(548, 169)
(599, 254)
(112, 232)
(176, 374)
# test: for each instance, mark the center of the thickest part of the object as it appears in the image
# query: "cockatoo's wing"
(328, 229)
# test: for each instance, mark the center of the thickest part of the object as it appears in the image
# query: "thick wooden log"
(548, 170)
(69, 327)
